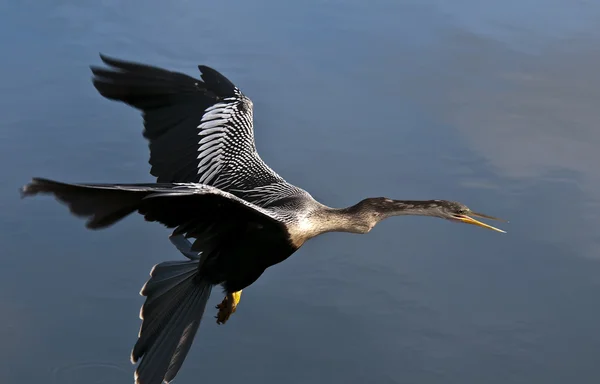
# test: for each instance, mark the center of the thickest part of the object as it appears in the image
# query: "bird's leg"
(228, 306)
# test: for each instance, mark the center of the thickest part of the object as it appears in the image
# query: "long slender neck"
(362, 217)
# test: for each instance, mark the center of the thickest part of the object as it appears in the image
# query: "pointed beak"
(469, 220)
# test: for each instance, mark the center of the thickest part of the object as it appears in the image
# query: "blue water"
(494, 104)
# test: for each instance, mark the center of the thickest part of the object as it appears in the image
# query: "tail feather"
(175, 304)
(162, 363)
(175, 273)
(163, 291)
(183, 347)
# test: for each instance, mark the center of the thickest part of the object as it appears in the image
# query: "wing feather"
(199, 130)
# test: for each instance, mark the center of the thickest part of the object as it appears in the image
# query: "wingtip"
(202, 69)
(105, 58)
(206, 70)
(29, 188)
(23, 192)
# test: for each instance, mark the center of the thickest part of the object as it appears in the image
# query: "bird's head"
(454, 211)
(379, 208)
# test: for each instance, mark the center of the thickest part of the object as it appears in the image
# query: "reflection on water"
(489, 103)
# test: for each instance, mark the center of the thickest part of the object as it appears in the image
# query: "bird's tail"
(175, 302)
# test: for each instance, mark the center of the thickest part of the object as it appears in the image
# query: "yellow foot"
(228, 306)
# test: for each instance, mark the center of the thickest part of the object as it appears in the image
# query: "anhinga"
(211, 186)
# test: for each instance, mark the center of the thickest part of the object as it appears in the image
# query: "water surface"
(494, 104)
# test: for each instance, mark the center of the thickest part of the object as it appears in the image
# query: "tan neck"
(359, 218)
(328, 219)
(343, 220)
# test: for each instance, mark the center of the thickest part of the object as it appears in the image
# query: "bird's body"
(212, 186)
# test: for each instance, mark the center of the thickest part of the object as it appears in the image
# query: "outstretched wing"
(200, 130)
(238, 239)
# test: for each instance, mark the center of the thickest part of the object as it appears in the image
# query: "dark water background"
(492, 103)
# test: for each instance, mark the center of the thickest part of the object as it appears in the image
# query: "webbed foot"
(228, 306)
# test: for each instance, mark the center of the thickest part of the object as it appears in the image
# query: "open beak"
(469, 220)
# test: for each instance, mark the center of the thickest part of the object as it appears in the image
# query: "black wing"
(238, 239)
(199, 130)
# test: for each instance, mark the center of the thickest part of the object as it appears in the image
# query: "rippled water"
(494, 104)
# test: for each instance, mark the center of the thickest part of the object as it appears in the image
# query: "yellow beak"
(469, 220)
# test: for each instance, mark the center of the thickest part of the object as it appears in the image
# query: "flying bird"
(212, 186)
